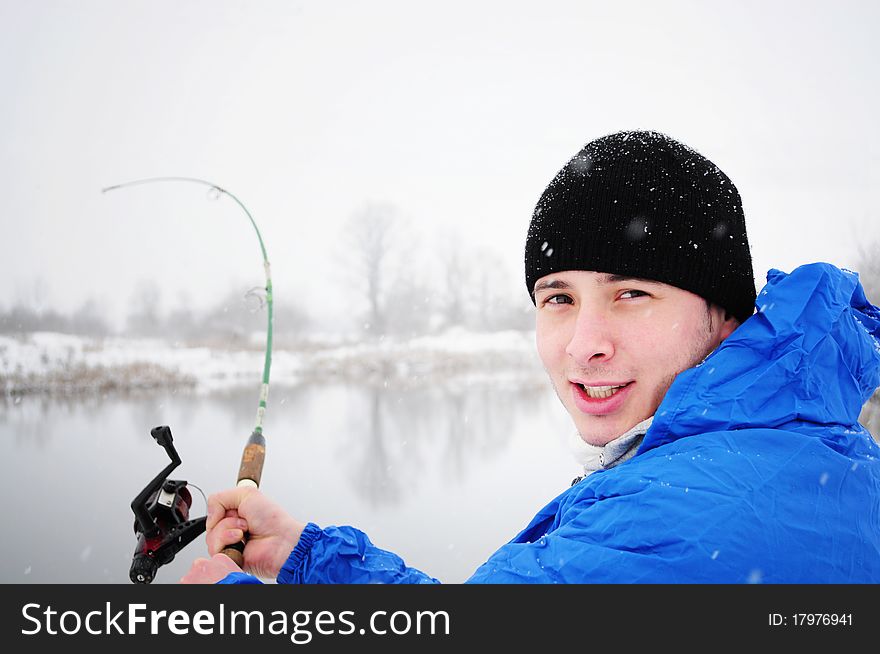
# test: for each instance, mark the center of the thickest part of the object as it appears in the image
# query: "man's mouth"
(601, 392)
(600, 399)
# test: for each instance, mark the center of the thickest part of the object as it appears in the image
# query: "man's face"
(612, 345)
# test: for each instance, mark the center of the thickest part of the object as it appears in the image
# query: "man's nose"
(591, 340)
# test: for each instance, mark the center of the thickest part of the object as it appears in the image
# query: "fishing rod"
(161, 509)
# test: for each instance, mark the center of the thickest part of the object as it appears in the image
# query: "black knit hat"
(643, 204)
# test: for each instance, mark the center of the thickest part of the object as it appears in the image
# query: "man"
(719, 446)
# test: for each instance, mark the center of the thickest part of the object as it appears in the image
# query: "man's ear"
(730, 323)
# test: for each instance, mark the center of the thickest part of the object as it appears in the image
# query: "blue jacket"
(755, 469)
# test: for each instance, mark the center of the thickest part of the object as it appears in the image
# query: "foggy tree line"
(391, 281)
(85, 321)
(401, 286)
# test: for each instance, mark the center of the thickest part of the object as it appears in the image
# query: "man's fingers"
(226, 532)
(224, 564)
(221, 504)
(209, 571)
(197, 573)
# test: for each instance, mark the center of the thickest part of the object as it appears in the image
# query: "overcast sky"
(458, 113)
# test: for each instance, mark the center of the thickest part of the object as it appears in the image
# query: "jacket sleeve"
(339, 555)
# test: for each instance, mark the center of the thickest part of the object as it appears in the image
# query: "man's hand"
(210, 571)
(272, 535)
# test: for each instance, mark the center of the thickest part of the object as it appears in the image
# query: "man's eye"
(632, 293)
(558, 299)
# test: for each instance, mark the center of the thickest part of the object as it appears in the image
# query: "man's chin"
(602, 430)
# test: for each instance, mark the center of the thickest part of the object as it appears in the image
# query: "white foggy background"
(456, 114)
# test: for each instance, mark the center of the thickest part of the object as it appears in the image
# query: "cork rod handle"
(249, 473)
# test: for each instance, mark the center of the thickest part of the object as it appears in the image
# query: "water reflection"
(397, 435)
(442, 475)
(382, 459)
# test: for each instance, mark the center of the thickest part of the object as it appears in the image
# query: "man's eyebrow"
(615, 279)
(555, 284)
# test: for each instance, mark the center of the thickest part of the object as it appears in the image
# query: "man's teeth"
(600, 392)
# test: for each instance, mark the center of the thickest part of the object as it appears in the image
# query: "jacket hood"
(808, 357)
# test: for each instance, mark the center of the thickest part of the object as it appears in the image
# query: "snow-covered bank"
(507, 356)
(45, 362)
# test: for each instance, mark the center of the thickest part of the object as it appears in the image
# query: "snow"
(62, 363)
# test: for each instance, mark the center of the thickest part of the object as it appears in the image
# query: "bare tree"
(369, 234)
(234, 317)
(478, 290)
(182, 322)
(89, 319)
(143, 316)
(405, 291)
(291, 323)
(33, 296)
(21, 319)
(454, 259)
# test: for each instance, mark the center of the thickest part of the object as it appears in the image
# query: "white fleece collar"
(602, 457)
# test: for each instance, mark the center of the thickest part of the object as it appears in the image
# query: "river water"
(441, 476)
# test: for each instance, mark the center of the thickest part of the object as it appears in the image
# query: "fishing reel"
(161, 512)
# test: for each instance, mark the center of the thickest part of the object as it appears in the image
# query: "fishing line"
(214, 188)
(202, 493)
